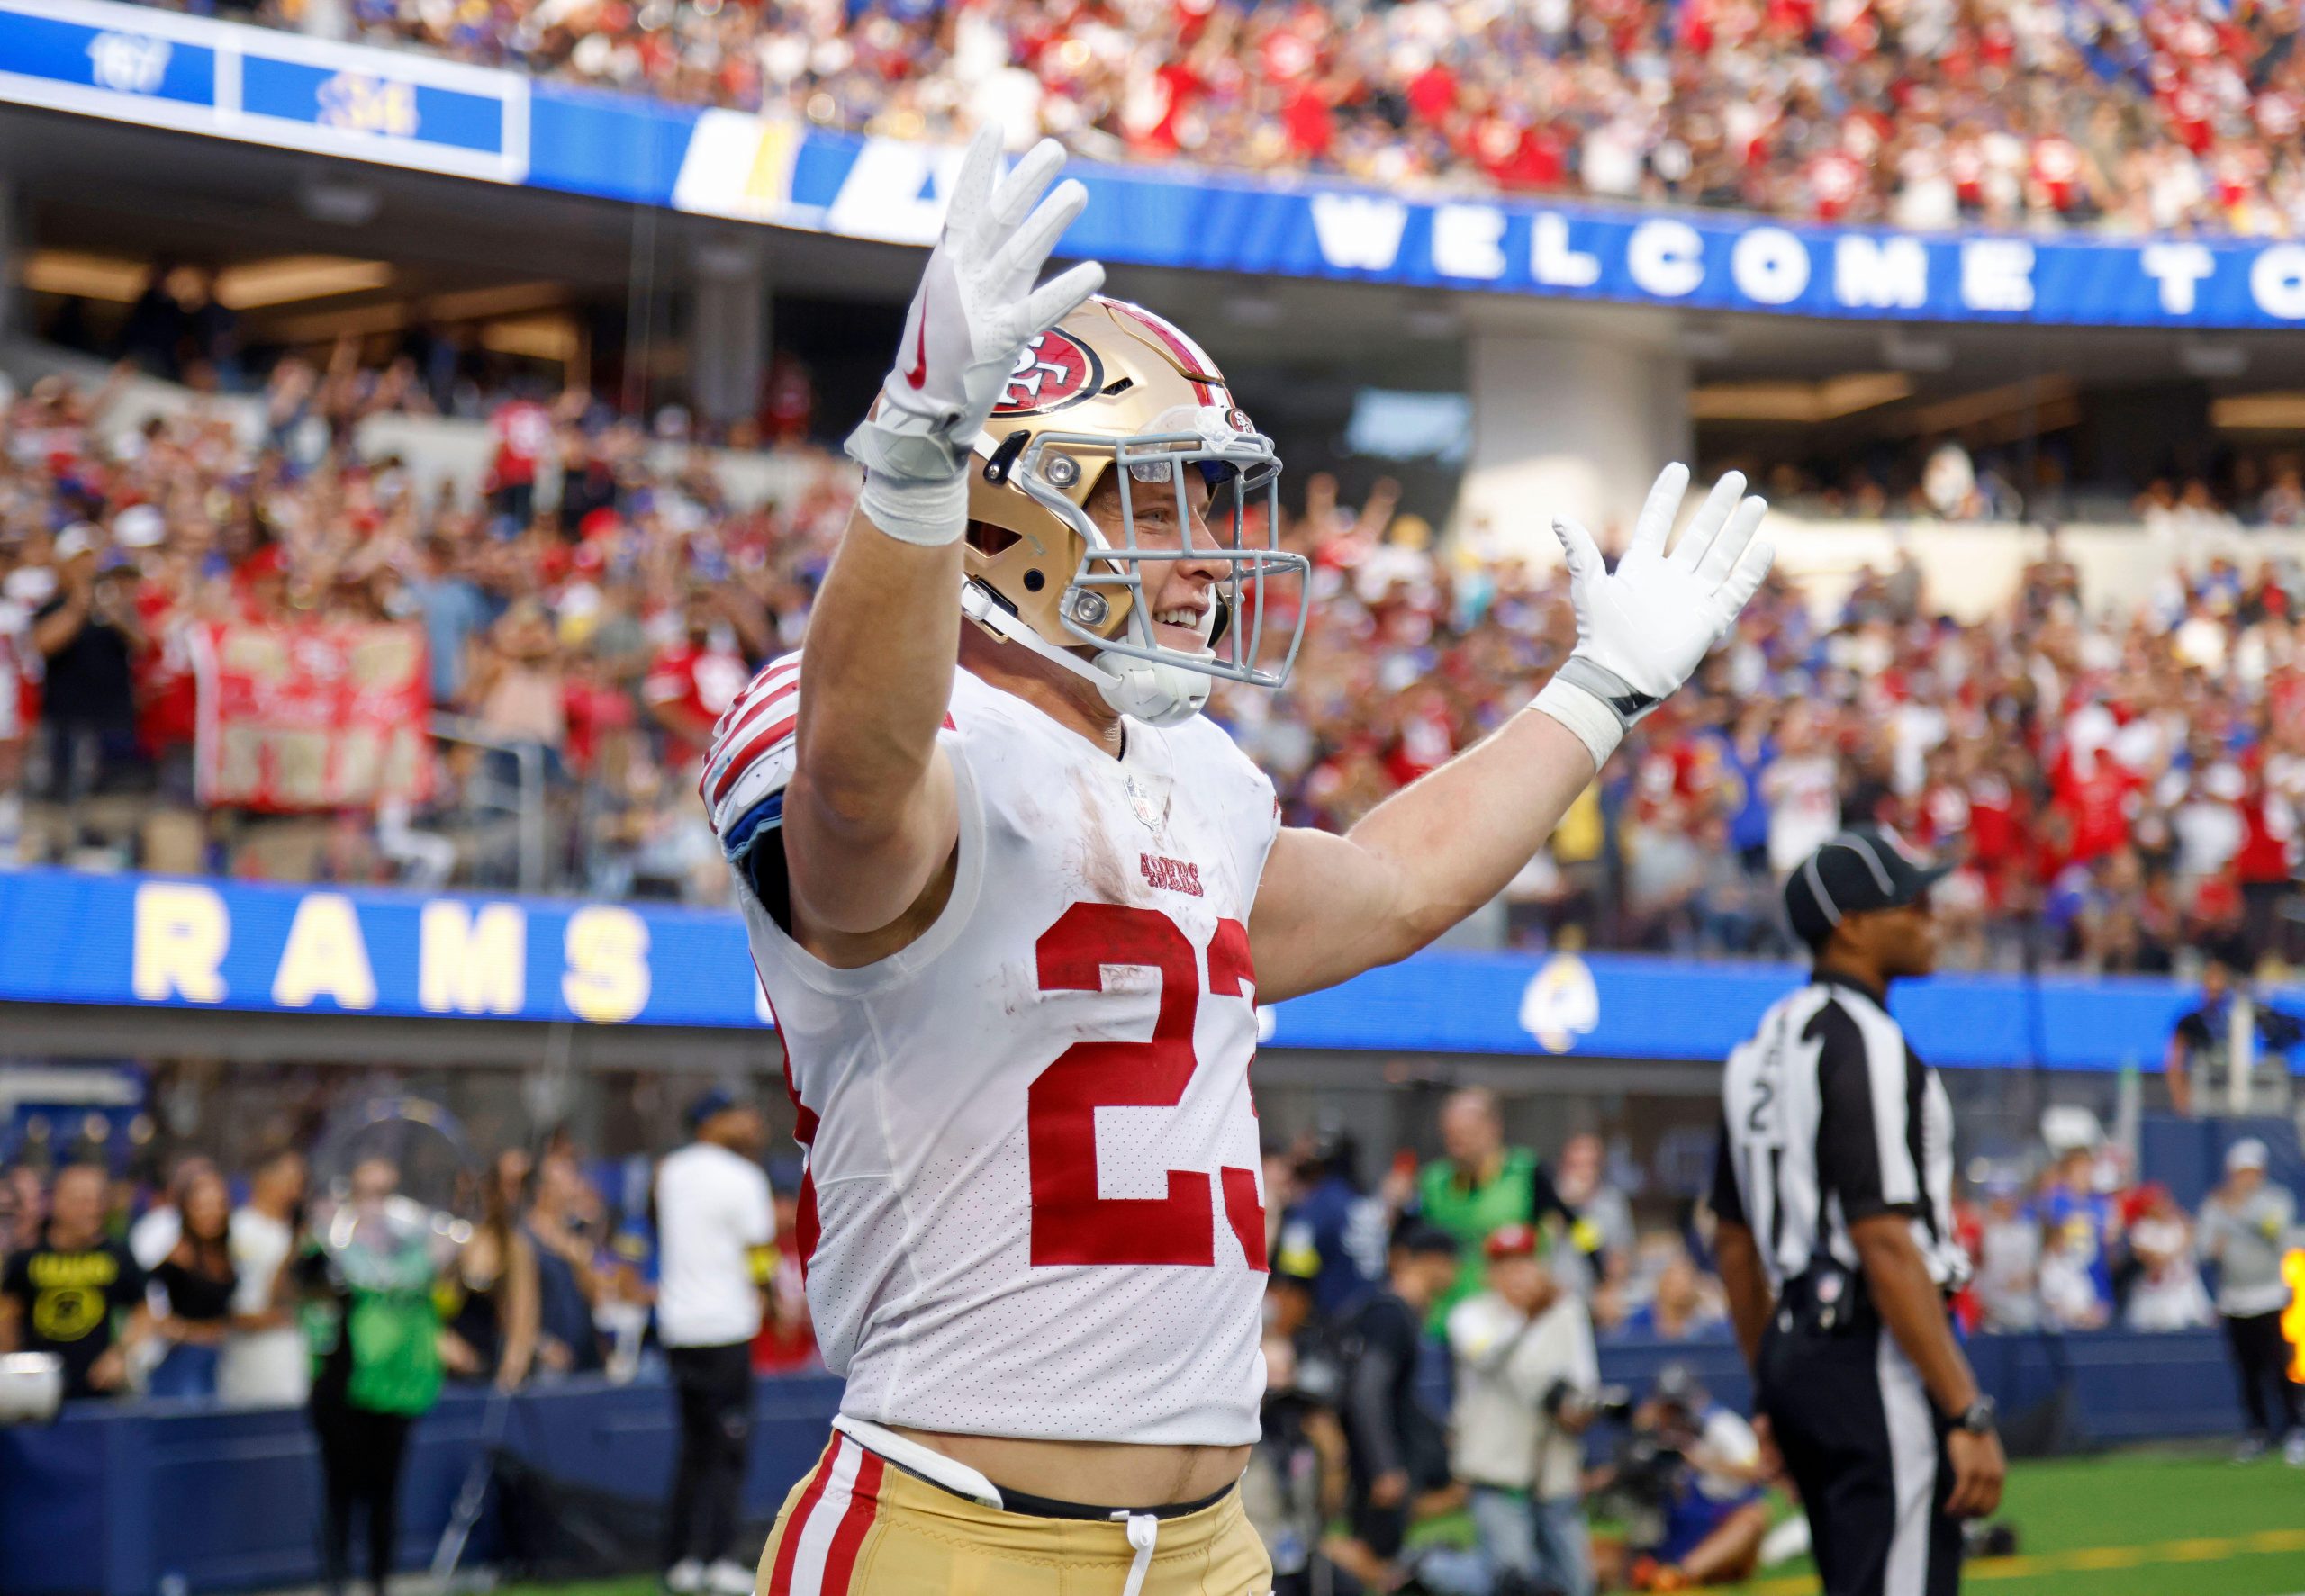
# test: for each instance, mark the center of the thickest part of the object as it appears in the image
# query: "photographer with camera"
(1692, 1480)
(1527, 1380)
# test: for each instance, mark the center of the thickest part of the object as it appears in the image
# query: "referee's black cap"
(1858, 867)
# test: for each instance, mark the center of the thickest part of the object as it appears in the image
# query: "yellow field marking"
(2083, 1559)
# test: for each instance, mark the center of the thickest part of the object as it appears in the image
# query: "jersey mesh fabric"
(919, 1074)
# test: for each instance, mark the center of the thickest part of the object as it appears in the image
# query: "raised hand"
(1642, 628)
(975, 312)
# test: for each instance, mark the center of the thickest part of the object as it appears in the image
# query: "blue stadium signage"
(146, 942)
(403, 108)
(260, 85)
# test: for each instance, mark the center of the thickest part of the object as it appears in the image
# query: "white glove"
(1643, 628)
(975, 310)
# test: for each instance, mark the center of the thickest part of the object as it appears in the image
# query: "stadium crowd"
(1432, 1338)
(1920, 113)
(2118, 786)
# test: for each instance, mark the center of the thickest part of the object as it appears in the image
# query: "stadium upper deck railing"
(396, 108)
(147, 943)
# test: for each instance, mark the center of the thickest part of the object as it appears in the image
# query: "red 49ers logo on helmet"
(1053, 371)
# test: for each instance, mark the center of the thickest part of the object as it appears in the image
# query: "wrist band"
(1584, 712)
(929, 514)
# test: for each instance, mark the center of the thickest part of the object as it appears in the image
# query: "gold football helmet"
(1113, 384)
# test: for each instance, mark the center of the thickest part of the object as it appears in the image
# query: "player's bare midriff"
(1096, 1472)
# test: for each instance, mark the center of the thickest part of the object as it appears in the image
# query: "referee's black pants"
(714, 1387)
(1863, 1443)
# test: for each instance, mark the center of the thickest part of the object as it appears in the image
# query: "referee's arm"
(1738, 1257)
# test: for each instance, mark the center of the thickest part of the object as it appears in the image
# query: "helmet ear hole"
(989, 539)
(1035, 581)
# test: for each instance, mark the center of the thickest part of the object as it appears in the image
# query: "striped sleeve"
(750, 762)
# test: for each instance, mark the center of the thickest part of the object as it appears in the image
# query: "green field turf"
(2137, 1524)
(2127, 1524)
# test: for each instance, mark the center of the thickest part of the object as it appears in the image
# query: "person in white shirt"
(265, 1362)
(714, 1225)
(1527, 1377)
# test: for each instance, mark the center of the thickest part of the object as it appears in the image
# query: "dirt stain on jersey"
(1106, 875)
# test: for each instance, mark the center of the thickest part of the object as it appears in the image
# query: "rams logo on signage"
(1560, 1003)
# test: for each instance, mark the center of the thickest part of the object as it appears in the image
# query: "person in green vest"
(1479, 1187)
(369, 1275)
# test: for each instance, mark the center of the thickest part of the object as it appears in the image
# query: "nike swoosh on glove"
(1642, 629)
(975, 310)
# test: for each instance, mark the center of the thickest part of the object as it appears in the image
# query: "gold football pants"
(863, 1524)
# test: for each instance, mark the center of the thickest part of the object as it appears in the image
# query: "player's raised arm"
(1329, 907)
(869, 815)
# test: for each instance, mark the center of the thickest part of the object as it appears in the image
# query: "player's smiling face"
(1181, 594)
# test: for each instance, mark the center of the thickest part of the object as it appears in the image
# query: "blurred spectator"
(76, 1292)
(2081, 1228)
(2165, 1291)
(492, 1331)
(1330, 1229)
(715, 1222)
(87, 634)
(1678, 1308)
(2008, 1263)
(1600, 1235)
(787, 1337)
(1294, 1483)
(561, 1229)
(1528, 1385)
(2246, 1230)
(1398, 1449)
(154, 1233)
(1702, 1477)
(265, 1363)
(198, 1281)
(1480, 1186)
(2199, 1062)
(2017, 117)
(367, 1277)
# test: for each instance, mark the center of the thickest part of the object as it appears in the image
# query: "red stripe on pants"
(863, 1502)
(780, 1578)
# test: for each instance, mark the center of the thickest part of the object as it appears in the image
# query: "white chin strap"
(1153, 691)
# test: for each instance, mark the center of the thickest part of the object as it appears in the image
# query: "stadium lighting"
(1798, 403)
(2273, 411)
(252, 285)
(288, 278)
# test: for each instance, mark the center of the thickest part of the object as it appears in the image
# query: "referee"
(1834, 1185)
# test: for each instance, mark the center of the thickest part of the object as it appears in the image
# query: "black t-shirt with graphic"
(67, 1300)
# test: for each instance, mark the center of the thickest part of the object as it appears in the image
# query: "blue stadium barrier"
(126, 1499)
(120, 1499)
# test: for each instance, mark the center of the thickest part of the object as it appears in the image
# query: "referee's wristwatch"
(1976, 1418)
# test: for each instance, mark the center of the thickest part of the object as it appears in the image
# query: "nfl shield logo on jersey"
(1148, 811)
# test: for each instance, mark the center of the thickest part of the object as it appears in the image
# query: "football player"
(1014, 902)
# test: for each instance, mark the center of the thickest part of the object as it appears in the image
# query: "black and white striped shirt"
(1828, 1117)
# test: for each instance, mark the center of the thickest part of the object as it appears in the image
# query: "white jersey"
(1033, 1164)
